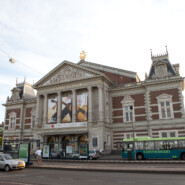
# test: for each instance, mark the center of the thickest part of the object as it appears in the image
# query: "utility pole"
(133, 132)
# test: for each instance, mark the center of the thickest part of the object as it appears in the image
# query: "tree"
(1, 141)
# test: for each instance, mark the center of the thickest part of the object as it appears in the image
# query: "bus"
(154, 148)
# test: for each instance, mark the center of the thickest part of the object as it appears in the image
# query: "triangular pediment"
(66, 72)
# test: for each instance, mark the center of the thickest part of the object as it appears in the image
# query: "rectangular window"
(128, 111)
(12, 123)
(95, 142)
(168, 134)
(164, 134)
(165, 109)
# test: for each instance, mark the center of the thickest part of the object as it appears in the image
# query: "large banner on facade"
(66, 109)
(52, 110)
(82, 108)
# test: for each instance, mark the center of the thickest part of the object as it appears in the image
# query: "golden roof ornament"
(83, 55)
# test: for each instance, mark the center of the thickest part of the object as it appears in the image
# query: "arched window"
(65, 139)
(81, 138)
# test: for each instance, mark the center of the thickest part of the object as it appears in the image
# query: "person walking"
(101, 150)
(38, 153)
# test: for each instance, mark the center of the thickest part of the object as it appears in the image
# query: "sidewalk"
(113, 166)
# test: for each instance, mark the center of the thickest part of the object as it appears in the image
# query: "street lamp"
(131, 108)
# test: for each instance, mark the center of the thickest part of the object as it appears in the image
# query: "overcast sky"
(40, 34)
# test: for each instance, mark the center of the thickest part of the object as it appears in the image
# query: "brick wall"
(17, 111)
(28, 112)
(118, 78)
(139, 101)
(173, 92)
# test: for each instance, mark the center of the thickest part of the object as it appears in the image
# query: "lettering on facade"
(66, 125)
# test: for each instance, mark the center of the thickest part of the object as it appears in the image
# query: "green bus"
(154, 148)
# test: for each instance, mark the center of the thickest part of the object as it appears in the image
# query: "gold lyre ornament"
(83, 55)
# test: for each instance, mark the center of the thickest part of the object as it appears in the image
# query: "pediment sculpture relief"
(67, 74)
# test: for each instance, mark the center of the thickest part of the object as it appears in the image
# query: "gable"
(66, 72)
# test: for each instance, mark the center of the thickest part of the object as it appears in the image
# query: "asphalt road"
(31, 176)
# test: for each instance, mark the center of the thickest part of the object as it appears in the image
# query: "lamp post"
(131, 108)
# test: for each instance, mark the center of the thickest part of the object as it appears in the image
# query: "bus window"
(128, 146)
(139, 145)
(159, 145)
(172, 145)
(149, 145)
(181, 143)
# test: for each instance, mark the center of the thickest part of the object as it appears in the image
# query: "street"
(49, 177)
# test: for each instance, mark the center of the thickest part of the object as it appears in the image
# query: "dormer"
(161, 67)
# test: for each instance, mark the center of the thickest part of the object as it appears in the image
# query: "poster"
(23, 152)
(83, 149)
(46, 151)
(66, 109)
(52, 110)
(69, 149)
(82, 109)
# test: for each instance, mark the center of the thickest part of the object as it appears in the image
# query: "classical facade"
(98, 104)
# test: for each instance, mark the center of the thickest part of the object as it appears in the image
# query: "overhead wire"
(14, 60)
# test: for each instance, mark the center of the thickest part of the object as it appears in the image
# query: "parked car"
(92, 155)
(8, 163)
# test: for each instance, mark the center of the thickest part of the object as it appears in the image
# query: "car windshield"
(7, 157)
(92, 152)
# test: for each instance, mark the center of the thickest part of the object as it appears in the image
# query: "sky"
(40, 34)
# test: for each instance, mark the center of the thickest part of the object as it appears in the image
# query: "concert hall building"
(99, 104)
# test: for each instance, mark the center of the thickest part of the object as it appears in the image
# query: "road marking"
(94, 180)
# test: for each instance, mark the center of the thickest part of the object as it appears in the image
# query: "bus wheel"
(183, 156)
(140, 156)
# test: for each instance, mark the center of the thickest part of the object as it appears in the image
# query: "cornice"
(20, 102)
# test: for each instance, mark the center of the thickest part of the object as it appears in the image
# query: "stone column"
(59, 107)
(89, 103)
(101, 107)
(74, 106)
(37, 120)
(45, 120)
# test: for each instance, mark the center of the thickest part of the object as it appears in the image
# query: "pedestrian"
(38, 153)
(101, 150)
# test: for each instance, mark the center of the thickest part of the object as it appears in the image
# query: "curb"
(114, 171)
(116, 161)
